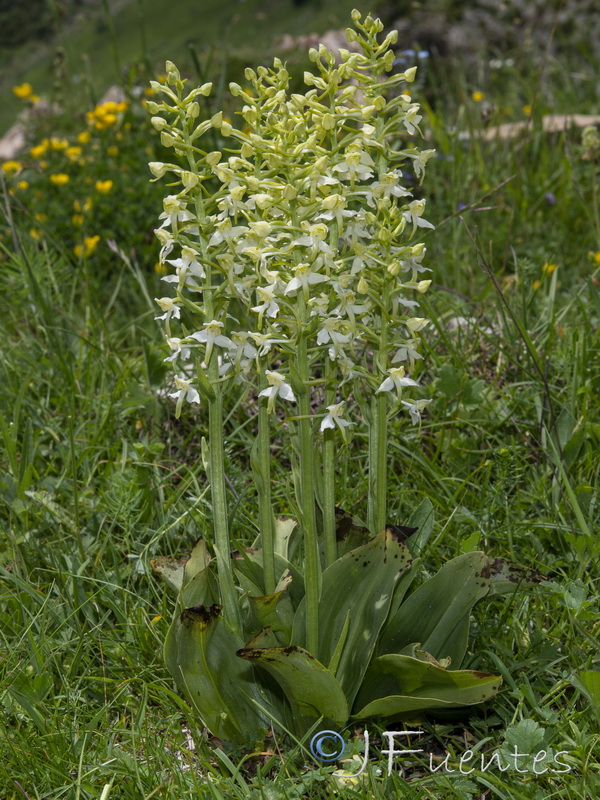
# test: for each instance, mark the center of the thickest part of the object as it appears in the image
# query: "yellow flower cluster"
(11, 167)
(90, 243)
(25, 92)
(106, 115)
(104, 187)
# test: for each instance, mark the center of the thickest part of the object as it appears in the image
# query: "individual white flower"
(277, 387)
(176, 212)
(265, 341)
(396, 381)
(170, 308)
(412, 117)
(304, 277)
(407, 352)
(178, 349)
(356, 164)
(415, 409)
(315, 238)
(413, 214)
(269, 304)
(185, 266)
(334, 417)
(211, 336)
(185, 391)
(388, 185)
(419, 160)
(332, 332)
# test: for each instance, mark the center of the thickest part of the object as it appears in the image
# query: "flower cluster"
(298, 233)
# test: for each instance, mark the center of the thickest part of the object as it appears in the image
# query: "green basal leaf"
(437, 613)
(360, 585)
(200, 654)
(422, 519)
(275, 611)
(171, 570)
(310, 688)
(418, 684)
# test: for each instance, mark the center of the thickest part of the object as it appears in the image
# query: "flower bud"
(415, 324)
(422, 286)
(363, 286)
(355, 15)
(217, 120)
(313, 54)
(394, 268)
(159, 123)
(409, 74)
(189, 179)
(152, 107)
(173, 75)
(205, 89)
(351, 35)
(235, 89)
(213, 158)
(249, 74)
(418, 249)
(166, 139)
(328, 122)
(226, 128)
(193, 110)
(157, 168)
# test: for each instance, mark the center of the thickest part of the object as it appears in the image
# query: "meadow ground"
(97, 476)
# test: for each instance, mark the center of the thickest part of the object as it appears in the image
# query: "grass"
(97, 477)
(109, 44)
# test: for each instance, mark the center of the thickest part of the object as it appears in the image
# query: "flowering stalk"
(294, 237)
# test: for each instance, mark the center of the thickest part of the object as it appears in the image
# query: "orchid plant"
(296, 281)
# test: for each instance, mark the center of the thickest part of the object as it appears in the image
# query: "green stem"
(229, 596)
(312, 565)
(329, 475)
(265, 507)
(377, 506)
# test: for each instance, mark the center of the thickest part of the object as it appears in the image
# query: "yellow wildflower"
(477, 97)
(77, 219)
(35, 233)
(104, 187)
(536, 285)
(24, 90)
(548, 269)
(23, 185)
(160, 269)
(59, 179)
(87, 248)
(58, 144)
(35, 98)
(596, 257)
(41, 217)
(39, 150)
(113, 150)
(527, 110)
(84, 137)
(73, 153)
(10, 167)
(43, 164)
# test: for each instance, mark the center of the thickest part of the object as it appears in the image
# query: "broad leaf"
(418, 684)
(275, 611)
(310, 688)
(200, 653)
(358, 586)
(171, 570)
(421, 519)
(437, 614)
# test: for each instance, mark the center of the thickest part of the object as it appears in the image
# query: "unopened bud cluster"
(299, 228)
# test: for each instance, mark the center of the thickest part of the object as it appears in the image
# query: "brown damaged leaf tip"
(400, 533)
(201, 614)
